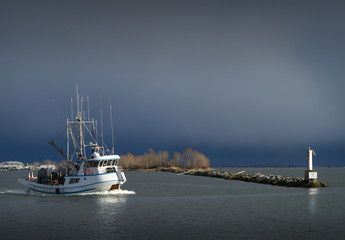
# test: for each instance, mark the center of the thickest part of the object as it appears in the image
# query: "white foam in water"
(16, 192)
(27, 192)
(113, 192)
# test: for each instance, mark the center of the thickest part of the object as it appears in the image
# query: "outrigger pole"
(58, 149)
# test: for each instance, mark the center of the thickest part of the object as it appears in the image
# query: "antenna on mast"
(88, 108)
(71, 109)
(96, 129)
(111, 121)
(81, 107)
(100, 103)
(77, 99)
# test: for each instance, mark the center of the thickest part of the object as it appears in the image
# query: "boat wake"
(113, 192)
(16, 192)
(101, 193)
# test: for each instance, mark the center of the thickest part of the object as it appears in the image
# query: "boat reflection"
(107, 201)
(111, 203)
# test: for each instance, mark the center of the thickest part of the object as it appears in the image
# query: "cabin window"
(110, 162)
(110, 169)
(92, 164)
(73, 180)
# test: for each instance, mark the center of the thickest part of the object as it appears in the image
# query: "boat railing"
(90, 171)
(93, 171)
(73, 173)
(119, 169)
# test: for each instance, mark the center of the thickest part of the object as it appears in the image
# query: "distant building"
(11, 165)
(49, 167)
(30, 167)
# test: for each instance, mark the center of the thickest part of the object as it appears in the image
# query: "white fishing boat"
(97, 172)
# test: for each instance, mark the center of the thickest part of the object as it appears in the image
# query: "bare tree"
(188, 159)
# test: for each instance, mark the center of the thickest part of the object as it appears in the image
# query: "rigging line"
(64, 145)
(104, 146)
(77, 93)
(112, 127)
(96, 131)
(74, 153)
(76, 146)
(88, 108)
(62, 133)
(100, 103)
(71, 109)
(88, 130)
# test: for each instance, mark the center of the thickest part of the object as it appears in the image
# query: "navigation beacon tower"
(310, 174)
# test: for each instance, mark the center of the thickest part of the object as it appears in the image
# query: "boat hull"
(85, 183)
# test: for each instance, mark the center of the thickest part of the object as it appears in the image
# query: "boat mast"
(112, 127)
(100, 104)
(88, 108)
(68, 159)
(71, 109)
(82, 127)
(81, 135)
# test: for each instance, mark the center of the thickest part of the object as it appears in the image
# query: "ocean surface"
(160, 205)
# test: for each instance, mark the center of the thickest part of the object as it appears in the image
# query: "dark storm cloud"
(223, 76)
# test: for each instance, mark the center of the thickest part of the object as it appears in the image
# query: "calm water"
(157, 205)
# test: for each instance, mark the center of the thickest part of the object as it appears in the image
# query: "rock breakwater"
(255, 178)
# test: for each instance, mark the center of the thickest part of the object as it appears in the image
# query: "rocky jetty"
(256, 178)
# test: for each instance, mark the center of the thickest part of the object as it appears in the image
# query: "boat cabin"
(97, 164)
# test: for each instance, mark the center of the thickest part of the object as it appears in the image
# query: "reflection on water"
(110, 202)
(313, 191)
(110, 206)
(109, 209)
(312, 198)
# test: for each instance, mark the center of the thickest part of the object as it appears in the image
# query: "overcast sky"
(245, 82)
